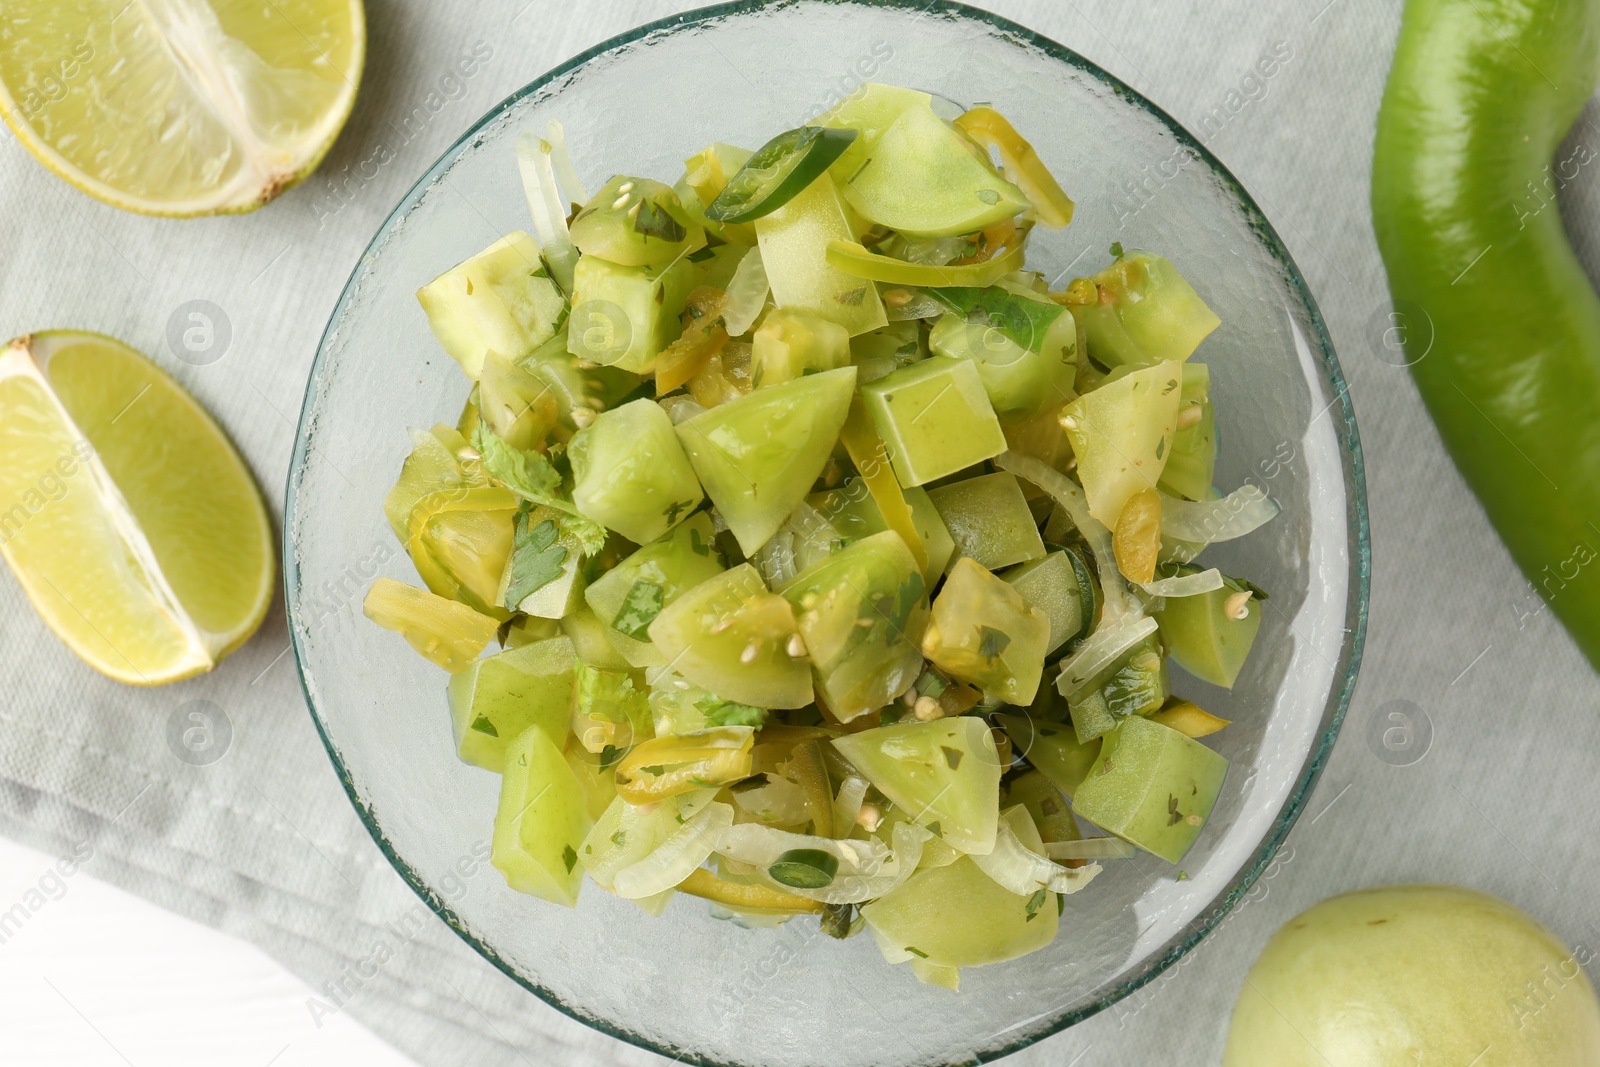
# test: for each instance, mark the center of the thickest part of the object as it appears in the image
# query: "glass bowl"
(686, 984)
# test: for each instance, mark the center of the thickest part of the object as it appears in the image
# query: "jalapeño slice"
(778, 172)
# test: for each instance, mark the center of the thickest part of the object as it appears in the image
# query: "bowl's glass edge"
(1345, 428)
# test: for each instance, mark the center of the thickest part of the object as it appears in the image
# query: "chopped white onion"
(1185, 584)
(746, 294)
(568, 184)
(675, 858)
(1100, 650)
(1119, 602)
(1204, 522)
(544, 202)
(867, 868)
(847, 805)
(1023, 871)
(1090, 848)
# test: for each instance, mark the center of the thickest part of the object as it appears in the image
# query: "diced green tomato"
(576, 388)
(499, 300)
(791, 343)
(779, 171)
(1152, 787)
(1049, 811)
(594, 778)
(460, 541)
(496, 699)
(630, 473)
(1121, 433)
(518, 407)
(984, 633)
(624, 316)
(1107, 340)
(445, 632)
(563, 593)
(1053, 586)
(1191, 466)
(610, 710)
(1159, 309)
(925, 179)
(431, 467)
(885, 351)
(1053, 749)
(636, 222)
(944, 773)
(1136, 684)
(989, 520)
(1020, 381)
(794, 245)
(591, 639)
(935, 418)
(542, 821)
(861, 613)
(730, 635)
(870, 111)
(635, 590)
(936, 974)
(714, 265)
(853, 512)
(758, 456)
(527, 629)
(958, 916)
(1205, 638)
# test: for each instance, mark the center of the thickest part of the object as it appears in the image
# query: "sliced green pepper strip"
(855, 260)
(1022, 164)
(778, 172)
(1499, 323)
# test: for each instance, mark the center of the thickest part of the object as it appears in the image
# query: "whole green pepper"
(1501, 326)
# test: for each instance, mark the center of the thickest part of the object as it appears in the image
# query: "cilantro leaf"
(527, 474)
(992, 642)
(916, 952)
(536, 559)
(1035, 902)
(719, 712)
(1017, 317)
(484, 726)
(905, 601)
(569, 857)
(639, 609)
(653, 221)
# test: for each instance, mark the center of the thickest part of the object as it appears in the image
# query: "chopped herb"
(1116, 249)
(988, 196)
(619, 838)
(719, 712)
(535, 479)
(569, 857)
(1161, 447)
(698, 545)
(936, 830)
(1061, 903)
(1035, 902)
(678, 507)
(837, 919)
(1183, 876)
(609, 755)
(852, 297)
(655, 770)
(755, 781)
(536, 559)
(906, 599)
(700, 255)
(952, 756)
(1174, 816)
(992, 642)
(1244, 585)
(484, 726)
(1019, 318)
(916, 952)
(931, 684)
(639, 609)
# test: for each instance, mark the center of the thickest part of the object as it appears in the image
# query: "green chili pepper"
(1499, 323)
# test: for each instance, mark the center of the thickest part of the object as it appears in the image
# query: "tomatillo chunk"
(1501, 325)
(778, 172)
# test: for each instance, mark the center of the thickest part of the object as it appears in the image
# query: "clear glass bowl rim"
(1344, 426)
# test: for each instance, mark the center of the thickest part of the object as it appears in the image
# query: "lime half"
(129, 519)
(180, 107)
